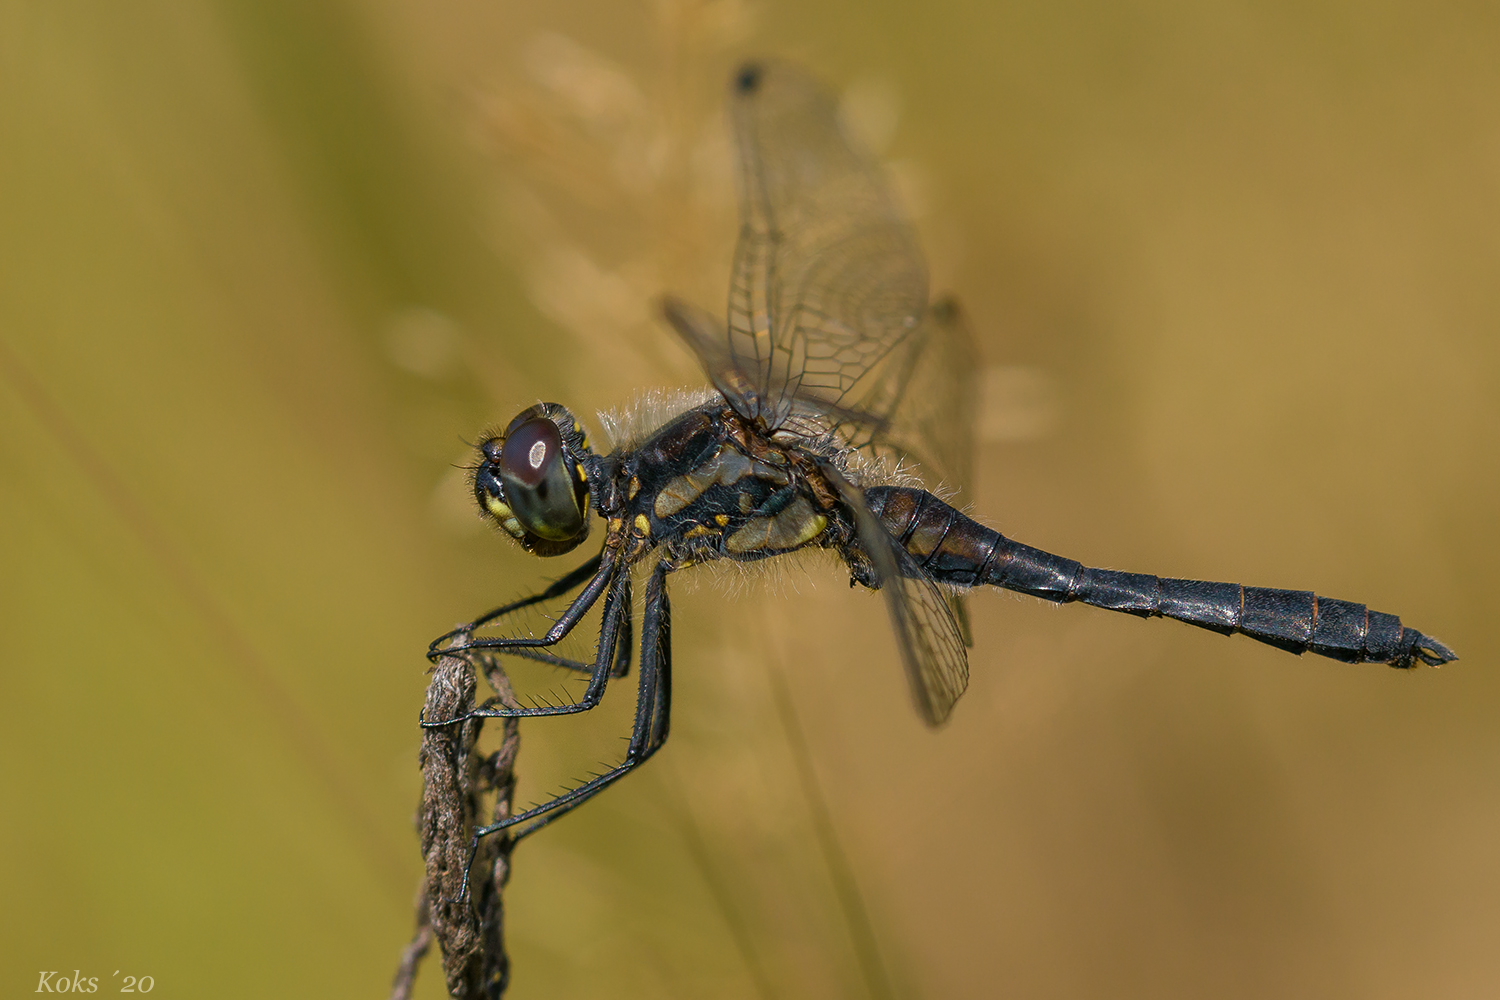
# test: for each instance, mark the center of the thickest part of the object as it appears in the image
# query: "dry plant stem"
(456, 778)
(867, 954)
(412, 955)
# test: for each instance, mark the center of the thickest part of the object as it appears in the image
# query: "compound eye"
(539, 478)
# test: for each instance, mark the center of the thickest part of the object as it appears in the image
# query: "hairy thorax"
(709, 486)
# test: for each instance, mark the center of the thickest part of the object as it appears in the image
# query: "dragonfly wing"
(704, 334)
(930, 640)
(828, 320)
(827, 278)
(920, 401)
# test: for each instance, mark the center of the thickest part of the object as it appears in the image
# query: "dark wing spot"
(747, 81)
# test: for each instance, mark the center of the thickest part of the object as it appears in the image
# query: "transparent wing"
(919, 402)
(931, 642)
(827, 278)
(704, 334)
(828, 314)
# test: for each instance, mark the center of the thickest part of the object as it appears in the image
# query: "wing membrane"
(919, 402)
(932, 644)
(828, 320)
(827, 276)
(703, 333)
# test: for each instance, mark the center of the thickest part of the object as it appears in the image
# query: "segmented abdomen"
(958, 550)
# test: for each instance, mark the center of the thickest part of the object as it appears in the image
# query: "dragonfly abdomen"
(958, 550)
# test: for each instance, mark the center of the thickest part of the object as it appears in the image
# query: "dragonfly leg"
(591, 572)
(653, 710)
(623, 646)
(607, 657)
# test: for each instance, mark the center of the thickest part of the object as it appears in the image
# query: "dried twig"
(456, 777)
(411, 957)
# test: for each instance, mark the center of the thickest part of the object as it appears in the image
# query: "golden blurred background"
(264, 266)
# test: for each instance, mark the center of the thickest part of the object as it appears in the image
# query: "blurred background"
(264, 266)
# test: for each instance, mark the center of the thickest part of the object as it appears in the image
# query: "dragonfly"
(833, 375)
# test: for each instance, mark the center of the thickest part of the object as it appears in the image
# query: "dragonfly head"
(531, 483)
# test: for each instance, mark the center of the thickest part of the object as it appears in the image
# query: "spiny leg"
(652, 716)
(653, 708)
(552, 660)
(557, 588)
(627, 633)
(597, 577)
(623, 647)
(661, 714)
(606, 656)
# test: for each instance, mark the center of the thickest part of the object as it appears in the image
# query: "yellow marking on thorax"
(642, 526)
(795, 526)
(727, 467)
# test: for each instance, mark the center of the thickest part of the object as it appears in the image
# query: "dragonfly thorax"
(709, 486)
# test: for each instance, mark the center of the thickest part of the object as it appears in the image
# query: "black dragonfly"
(832, 370)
